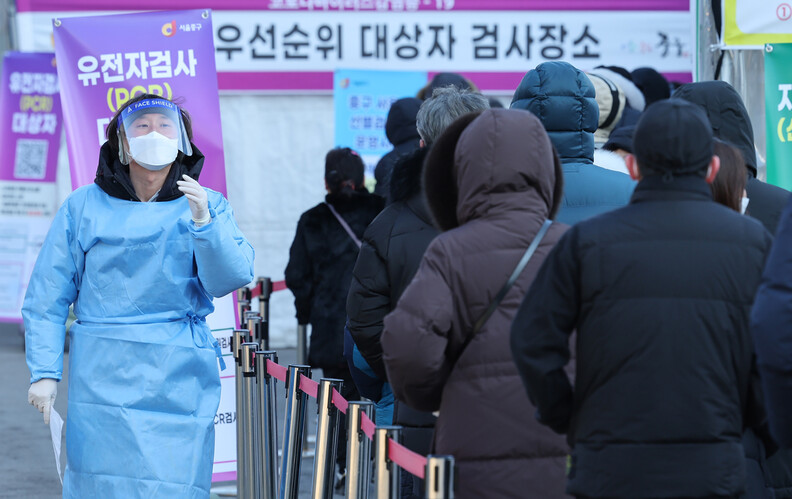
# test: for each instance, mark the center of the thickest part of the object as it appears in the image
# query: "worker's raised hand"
(42, 396)
(196, 195)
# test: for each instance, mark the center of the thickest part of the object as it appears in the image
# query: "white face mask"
(153, 151)
(744, 205)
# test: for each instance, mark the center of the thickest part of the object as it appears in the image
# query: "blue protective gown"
(143, 380)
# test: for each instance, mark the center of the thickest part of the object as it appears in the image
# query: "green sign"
(778, 110)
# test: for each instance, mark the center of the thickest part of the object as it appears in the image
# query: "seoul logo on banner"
(169, 29)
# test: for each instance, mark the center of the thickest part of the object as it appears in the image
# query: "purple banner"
(355, 5)
(30, 110)
(103, 61)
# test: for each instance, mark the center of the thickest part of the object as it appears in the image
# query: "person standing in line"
(140, 253)
(659, 293)
(321, 258)
(400, 130)
(728, 188)
(492, 181)
(562, 97)
(732, 124)
(771, 326)
(393, 246)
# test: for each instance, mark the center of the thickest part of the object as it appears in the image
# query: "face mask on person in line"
(743, 205)
(153, 151)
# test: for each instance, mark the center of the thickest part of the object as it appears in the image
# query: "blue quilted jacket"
(562, 97)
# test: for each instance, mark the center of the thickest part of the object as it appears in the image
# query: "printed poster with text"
(362, 100)
(30, 134)
(105, 60)
(778, 113)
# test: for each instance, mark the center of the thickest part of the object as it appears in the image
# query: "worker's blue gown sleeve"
(143, 380)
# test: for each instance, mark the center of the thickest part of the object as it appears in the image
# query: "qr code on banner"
(31, 158)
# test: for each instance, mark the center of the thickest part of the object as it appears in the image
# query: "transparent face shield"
(154, 133)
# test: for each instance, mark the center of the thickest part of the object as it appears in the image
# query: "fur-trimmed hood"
(113, 176)
(486, 164)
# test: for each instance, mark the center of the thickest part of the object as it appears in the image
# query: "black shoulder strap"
(512, 279)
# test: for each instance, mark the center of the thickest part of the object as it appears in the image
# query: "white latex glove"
(42, 395)
(196, 195)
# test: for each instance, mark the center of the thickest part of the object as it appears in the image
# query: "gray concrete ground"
(27, 463)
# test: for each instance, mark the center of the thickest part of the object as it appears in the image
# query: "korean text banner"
(164, 53)
(361, 101)
(756, 22)
(31, 112)
(778, 112)
(30, 135)
(105, 60)
(294, 46)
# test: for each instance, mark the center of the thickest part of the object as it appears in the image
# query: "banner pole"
(439, 477)
(326, 439)
(293, 429)
(266, 422)
(388, 473)
(358, 451)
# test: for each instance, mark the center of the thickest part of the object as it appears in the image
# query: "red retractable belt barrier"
(276, 286)
(399, 454)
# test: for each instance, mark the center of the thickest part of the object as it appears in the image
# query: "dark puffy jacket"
(731, 123)
(771, 319)
(320, 268)
(772, 331)
(660, 294)
(562, 97)
(393, 246)
(490, 184)
(402, 132)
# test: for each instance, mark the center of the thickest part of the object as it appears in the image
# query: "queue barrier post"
(266, 422)
(238, 337)
(246, 421)
(358, 451)
(439, 477)
(293, 430)
(243, 303)
(302, 343)
(388, 479)
(253, 322)
(264, 309)
(326, 439)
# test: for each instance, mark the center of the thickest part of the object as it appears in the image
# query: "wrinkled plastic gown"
(143, 379)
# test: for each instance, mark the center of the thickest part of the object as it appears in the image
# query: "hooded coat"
(491, 181)
(143, 380)
(393, 246)
(562, 97)
(320, 267)
(731, 123)
(402, 132)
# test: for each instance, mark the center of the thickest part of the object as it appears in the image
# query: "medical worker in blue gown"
(140, 253)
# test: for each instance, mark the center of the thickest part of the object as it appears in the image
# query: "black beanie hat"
(673, 137)
(621, 138)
